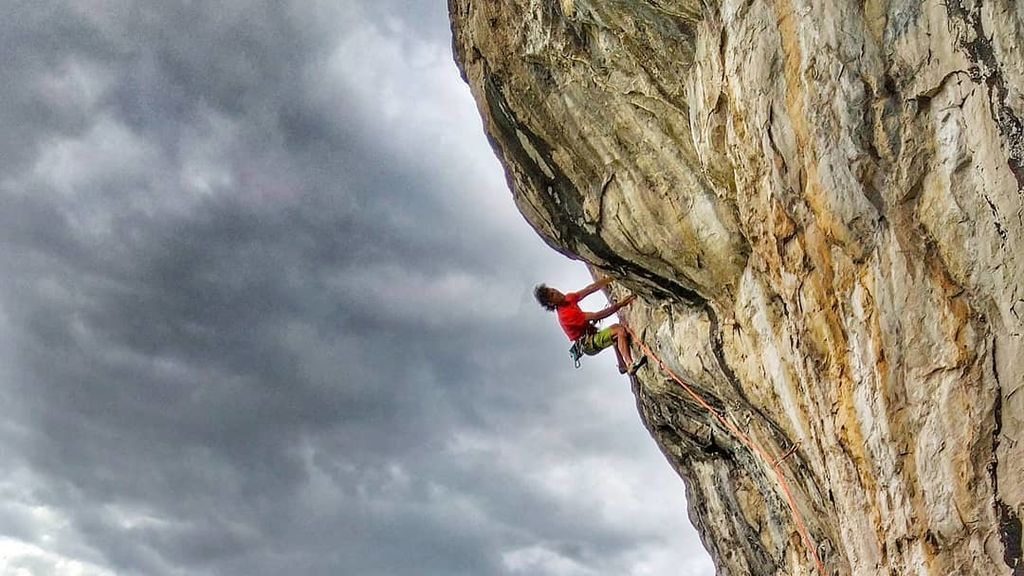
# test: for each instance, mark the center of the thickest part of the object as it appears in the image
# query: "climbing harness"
(751, 445)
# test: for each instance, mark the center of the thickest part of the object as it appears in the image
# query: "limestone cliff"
(821, 206)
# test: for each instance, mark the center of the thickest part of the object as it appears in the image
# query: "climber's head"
(548, 297)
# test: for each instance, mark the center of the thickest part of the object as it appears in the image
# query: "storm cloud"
(266, 309)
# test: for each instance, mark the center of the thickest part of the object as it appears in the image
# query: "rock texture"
(821, 205)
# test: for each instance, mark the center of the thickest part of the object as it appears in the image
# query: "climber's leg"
(622, 341)
(622, 346)
(604, 339)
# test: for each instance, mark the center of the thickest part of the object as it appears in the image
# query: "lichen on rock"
(821, 205)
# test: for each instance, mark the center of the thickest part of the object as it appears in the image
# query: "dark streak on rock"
(1010, 534)
(866, 133)
(979, 50)
(995, 217)
(714, 448)
(562, 201)
(1009, 523)
(718, 347)
(748, 538)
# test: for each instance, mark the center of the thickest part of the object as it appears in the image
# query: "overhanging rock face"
(821, 206)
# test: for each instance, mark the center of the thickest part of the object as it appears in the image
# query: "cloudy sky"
(265, 309)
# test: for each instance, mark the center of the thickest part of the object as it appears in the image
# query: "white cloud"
(420, 109)
(75, 87)
(46, 542)
(108, 150)
(538, 560)
(206, 163)
(450, 297)
(19, 558)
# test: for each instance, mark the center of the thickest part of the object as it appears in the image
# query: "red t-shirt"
(572, 319)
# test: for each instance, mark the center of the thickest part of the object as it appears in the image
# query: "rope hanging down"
(774, 464)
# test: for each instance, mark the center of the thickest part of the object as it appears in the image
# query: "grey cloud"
(244, 319)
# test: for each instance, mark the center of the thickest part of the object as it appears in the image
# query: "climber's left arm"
(594, 287)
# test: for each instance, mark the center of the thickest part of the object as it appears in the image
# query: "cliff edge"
(821, 207)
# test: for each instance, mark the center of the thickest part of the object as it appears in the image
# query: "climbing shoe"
(636, 365)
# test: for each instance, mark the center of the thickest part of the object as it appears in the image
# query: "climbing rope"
(751, 445)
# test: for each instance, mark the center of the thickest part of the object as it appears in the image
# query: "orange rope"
(751, 445)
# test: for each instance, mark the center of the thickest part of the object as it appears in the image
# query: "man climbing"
(579, 325)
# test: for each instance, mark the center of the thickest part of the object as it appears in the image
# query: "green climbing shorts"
(594, 343)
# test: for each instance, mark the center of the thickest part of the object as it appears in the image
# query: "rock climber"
(580, 327)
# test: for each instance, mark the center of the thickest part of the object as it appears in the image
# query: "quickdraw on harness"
(576, 351)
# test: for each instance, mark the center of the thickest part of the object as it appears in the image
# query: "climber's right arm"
(601, 315)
